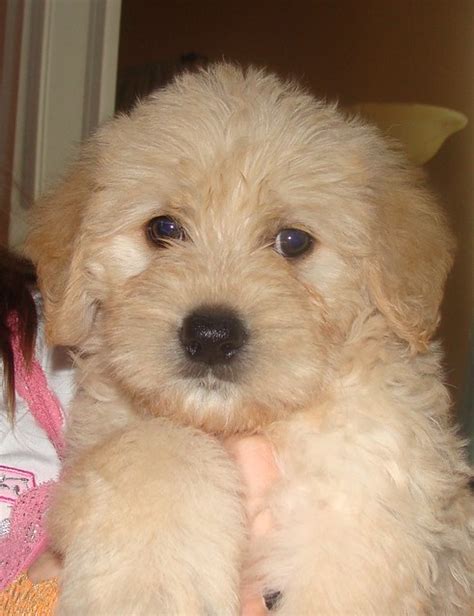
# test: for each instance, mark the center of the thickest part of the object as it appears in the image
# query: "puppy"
(237, 257)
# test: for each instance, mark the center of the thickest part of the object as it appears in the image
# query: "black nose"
(212, 335)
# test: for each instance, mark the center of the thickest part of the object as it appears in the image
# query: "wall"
(10, 43)
(390, 50)
(4, 213)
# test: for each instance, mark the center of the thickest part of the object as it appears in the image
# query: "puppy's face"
(218, 244)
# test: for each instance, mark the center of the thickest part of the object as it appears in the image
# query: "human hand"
(255, 459)
(45, 567)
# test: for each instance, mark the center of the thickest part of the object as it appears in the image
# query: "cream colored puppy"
(236, 257)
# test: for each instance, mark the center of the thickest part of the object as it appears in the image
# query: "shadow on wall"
(137, 82)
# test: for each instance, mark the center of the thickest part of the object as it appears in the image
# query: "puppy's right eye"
(161, 229)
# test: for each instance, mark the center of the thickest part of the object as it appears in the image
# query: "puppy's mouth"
(210, 377)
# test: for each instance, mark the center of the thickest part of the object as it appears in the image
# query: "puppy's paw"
(151, 523)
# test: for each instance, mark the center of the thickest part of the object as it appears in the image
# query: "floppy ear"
(414, 251)
(55, 246)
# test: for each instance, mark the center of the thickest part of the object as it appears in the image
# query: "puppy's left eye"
(162, 228)
(293, 242)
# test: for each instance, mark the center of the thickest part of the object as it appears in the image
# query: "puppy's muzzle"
(213, 336)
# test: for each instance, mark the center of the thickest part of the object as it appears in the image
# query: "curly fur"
(373, 514)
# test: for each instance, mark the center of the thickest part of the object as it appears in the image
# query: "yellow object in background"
(422, 129)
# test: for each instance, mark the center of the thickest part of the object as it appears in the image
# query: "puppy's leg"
(150, 523)
(357, 531)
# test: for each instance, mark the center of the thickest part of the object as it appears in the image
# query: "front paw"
(151, 523)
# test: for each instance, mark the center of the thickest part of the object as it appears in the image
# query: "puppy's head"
(218, 243)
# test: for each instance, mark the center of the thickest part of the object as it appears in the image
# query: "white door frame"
(65, 88)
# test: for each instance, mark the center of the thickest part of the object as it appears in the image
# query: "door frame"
(62, 89)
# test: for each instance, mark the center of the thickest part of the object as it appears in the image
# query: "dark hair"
(17, 280)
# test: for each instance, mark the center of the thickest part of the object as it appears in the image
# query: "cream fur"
(373, 515)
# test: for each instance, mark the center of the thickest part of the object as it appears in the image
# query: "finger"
(45, 567)
(254, 606)
(256, 461)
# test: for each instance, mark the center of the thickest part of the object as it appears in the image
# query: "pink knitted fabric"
(32, 386)
(27, 536)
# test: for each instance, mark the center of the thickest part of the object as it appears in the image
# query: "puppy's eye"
(293, 242)
(162, 228)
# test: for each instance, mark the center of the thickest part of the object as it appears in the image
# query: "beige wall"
(11, 15)
(4, 213)
(9, 71)
(384, 50)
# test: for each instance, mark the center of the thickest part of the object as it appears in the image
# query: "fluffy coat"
(372, 514)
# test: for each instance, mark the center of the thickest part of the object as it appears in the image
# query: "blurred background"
(67, 65)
